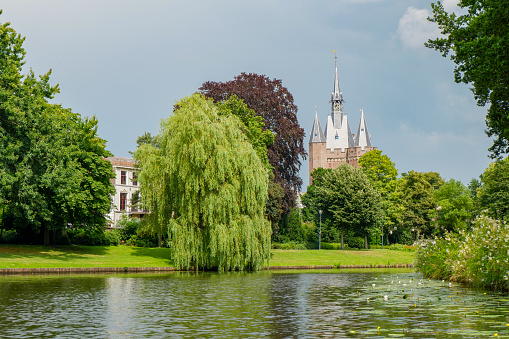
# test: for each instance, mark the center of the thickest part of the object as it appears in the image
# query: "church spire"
(337, 98)
(316, 132)
(362, 138)
(336, 94)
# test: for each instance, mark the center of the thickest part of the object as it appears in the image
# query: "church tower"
(338, 144)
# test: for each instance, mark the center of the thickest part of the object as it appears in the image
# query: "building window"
(123, 176)
(123, 201)
(135, 179)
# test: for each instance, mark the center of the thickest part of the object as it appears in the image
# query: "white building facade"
(126, 190)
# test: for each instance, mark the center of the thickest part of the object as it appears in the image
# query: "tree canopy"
(272, 101)
(478, 43)
(415, 191)
(208, 185)
(456, 206)
(493, 194)
(53, 170)
(349, 197)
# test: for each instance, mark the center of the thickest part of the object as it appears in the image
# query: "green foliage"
(253, 126)
(331, 246)
(478, 43)
(53, 170)
(208, 186)
(309, 199)
(379, 169)
(478, 256)
(88, 237)
(383, 174)
(348, 198)
(290, 245)
(493, 195)
(128, 227)
(401, 247)
(10, 237)
(355, 242)
(272, 101)
(456, 206)
(415, 191)
(112, 237)
(295, 230)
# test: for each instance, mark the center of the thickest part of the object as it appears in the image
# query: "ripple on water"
(264, 304)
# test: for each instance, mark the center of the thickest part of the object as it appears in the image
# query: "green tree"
(479, 45)
(379, 169)
(207, 184)
(383, 174)
(272, 101)
(347, 195)
(416, 195)
(456, 206)
(52, 167)
(253, 126)
(493, 195)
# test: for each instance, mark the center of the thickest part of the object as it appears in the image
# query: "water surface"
(334, 304)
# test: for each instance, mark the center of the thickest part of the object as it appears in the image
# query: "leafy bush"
(128, 227)
(479, 257)
(113, 237)
(10, 237)
(291, 245)
(331, 246)
(355, 242)
(139, 241)
(401, 247)
(93, 237)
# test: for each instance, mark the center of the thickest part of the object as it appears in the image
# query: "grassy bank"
(23, 256)
(338, 257)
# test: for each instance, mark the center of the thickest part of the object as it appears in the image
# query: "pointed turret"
(316, 132)
(337, 98)
(362, 138)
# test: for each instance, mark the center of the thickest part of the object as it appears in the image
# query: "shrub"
(93, 237)
(291, 245)
(331, 246)
(128, 227)
(10, 237)
(355, 242)
(113, 237)
(401, 247)
(479, 257)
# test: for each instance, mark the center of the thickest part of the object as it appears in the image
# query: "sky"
(127, 62)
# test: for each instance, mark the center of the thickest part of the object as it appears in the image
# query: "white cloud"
(450, 5)
(414, 29)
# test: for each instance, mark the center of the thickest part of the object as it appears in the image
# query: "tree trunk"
(45, 232)
(54, 237)
(366, 242)
(159, 239)
(342, 246)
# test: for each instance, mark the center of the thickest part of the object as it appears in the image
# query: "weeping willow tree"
(206, 183)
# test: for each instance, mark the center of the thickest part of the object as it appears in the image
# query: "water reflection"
(266, 304)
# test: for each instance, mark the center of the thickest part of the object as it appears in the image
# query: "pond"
(276, 304)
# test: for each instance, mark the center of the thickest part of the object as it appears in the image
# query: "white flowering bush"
(479, 256)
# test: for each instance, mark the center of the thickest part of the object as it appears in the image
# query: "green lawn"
(338, 257)
(20, 256)
(25, 256)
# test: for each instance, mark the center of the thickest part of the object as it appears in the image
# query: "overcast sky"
(127, 62)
